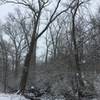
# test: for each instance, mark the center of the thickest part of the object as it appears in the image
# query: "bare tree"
(5, 62)
(78, 75)
(11, 28)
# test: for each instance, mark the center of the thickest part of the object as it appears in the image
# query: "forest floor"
(18, 97)
(11, 97)
(96, 82)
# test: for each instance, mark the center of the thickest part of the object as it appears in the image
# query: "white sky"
(94, 5)
(4, 9)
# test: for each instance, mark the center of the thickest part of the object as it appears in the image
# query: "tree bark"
(27, 65)
(16, 65)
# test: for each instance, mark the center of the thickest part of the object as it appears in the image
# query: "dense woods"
(53, 46)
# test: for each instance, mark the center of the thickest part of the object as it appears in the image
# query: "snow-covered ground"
(18, 97)
(11, 97)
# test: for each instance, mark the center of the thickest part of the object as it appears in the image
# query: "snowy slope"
(11, 97)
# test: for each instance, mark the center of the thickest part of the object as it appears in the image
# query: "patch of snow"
(83, 61)
(17, 91)
(49, 97)
(85, 82)
(32, 87)
(94, 99)
(77, 74)
(11, 97)
(83, 75)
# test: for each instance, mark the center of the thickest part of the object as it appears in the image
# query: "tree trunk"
(27, 65)
(16, 65)
(78, 75)
(33, 59)
(46, 56)
(5, 65)
(76, 57)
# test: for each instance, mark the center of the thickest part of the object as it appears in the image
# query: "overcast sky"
(5, 9)
(95, 4)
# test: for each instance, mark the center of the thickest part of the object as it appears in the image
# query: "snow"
(11, 97)
(19, 97)
(32, 87)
